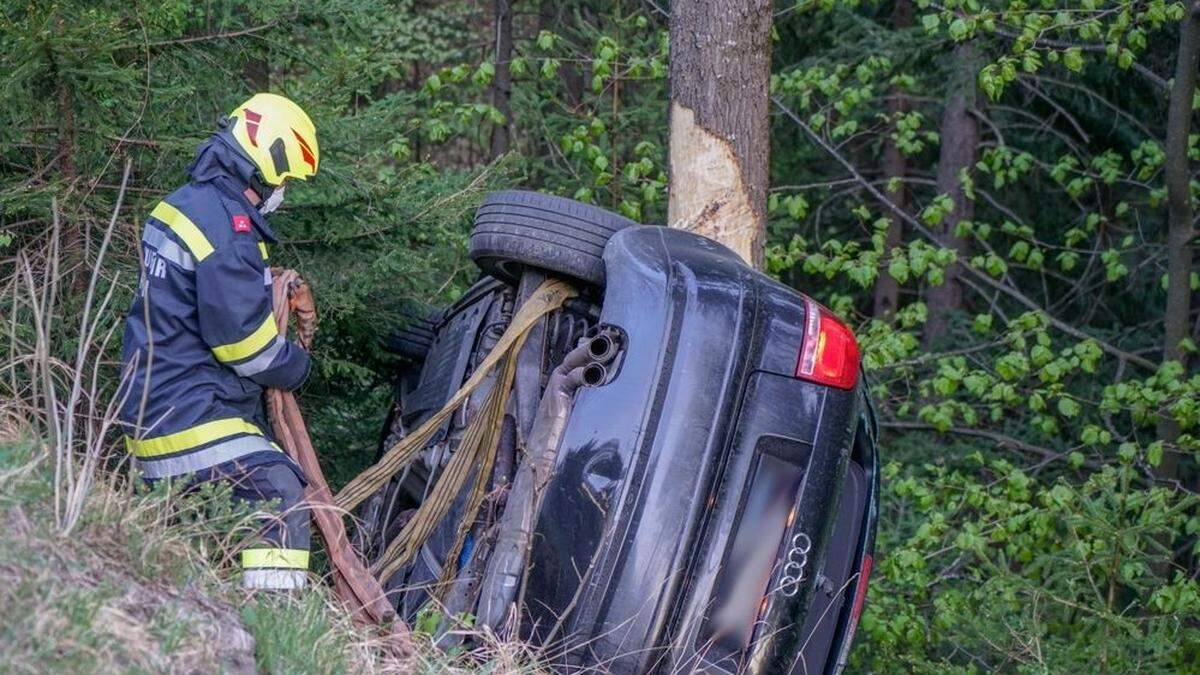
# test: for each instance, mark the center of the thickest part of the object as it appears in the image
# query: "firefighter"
(200, 340)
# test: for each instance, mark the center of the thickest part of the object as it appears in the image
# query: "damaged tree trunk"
(958, 155)
(719, 144)
(502, 84)
(1179, 215)
(895, 166)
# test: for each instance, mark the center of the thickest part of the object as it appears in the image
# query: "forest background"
(997, 194)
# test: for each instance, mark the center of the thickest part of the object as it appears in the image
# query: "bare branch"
(214, 36)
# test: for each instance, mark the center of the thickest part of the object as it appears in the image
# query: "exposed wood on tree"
(1179, 214)
(719, 145)
(959, 152)
(895, 167)
(502, 83)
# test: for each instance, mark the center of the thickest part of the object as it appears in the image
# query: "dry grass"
(99, 575)
(146, 583)
(121, 592)
(95, 574)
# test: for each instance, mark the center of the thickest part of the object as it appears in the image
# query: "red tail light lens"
(829, 354)
(860, 596)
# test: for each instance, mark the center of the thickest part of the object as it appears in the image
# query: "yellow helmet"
(277, 136)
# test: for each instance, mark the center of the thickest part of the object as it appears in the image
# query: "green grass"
(296, 635)
(145, 583)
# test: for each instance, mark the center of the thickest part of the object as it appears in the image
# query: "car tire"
(517, 228)
(414, 340)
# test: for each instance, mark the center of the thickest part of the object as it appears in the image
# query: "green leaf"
(1154, 453)
(1073, 59)
(958, 29)
(484, 73)
(1068, 407)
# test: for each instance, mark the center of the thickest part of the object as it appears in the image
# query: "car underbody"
(686, 474)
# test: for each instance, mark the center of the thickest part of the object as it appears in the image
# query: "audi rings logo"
(797, 560)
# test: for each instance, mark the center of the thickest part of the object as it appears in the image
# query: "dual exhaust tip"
(601, 350)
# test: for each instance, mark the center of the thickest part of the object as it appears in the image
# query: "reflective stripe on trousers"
(278, 580)
(281, 560)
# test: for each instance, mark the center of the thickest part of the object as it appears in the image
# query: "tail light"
(860, 597)
(829, 354)
(860, 592)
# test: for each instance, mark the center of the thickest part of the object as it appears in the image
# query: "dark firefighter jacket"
(200, 340)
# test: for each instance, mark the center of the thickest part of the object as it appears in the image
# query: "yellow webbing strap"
(484, 447)
(548, 297)
(475, 453)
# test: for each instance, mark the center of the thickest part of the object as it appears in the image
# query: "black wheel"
(414, 340)
(516, 229)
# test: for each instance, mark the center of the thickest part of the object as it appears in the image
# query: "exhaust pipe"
(582, 366)
(594, 374)
(603, 347)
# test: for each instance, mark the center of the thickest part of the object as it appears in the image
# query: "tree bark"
(74, 240)
(959, 152)
(719, 143)
(66, 130)
(551, 17)
(257, 71)
(895, 166)
(1179, 216)
(502, 83)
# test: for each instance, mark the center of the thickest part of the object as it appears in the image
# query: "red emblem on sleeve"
(241, 223)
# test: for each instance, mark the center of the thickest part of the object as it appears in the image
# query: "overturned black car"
(710, 498)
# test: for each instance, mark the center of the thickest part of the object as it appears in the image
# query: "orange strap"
(356, 586)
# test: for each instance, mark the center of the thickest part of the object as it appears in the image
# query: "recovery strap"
(352, 582)
(476, 451)
(548, 297)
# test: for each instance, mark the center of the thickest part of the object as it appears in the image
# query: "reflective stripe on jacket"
(199, 447)
(200, 339)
